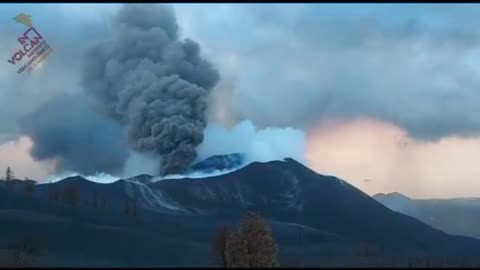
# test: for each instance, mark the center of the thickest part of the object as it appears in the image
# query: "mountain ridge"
(458, 216)
(297, 201)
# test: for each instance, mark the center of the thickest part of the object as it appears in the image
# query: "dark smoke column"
(154, 83)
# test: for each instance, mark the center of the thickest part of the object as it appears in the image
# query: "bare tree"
(103, 203)
(131, 206)
(96, 203)
(252, 245)
(71, 196)
(29, 186)
(9, 176)
(135, 205)
(128, 207)
(54, 194)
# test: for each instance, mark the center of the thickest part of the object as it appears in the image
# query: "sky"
(386, 94)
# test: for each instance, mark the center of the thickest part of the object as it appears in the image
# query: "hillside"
(459, 216)
(317, 220)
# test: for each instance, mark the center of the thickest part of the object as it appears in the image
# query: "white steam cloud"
(261, 145)
(103, 178)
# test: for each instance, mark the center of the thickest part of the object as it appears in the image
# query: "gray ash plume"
(154, 83)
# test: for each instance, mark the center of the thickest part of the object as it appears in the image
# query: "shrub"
(252, 245)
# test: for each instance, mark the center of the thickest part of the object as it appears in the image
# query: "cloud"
(412, 68)
(15, 154)
(300, 64)
(258, 144)
(20, 94)
(69, 131)
(392, 161)
(416, 68)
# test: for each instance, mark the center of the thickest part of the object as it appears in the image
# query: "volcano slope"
(317, 220)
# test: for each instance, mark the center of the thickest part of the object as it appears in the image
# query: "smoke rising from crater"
(154, 83)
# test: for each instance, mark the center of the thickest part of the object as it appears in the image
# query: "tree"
(95, 201)
(128, 207)
(103, 203)
(29, 186)
(71, 195)
(135, 205)
(23, 252)
(54, 194)
(219, 245)
(131, 206)
(9, 176)
(252, 245)
(368, 250)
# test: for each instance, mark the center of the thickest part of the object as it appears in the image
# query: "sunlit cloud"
(377, 157)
